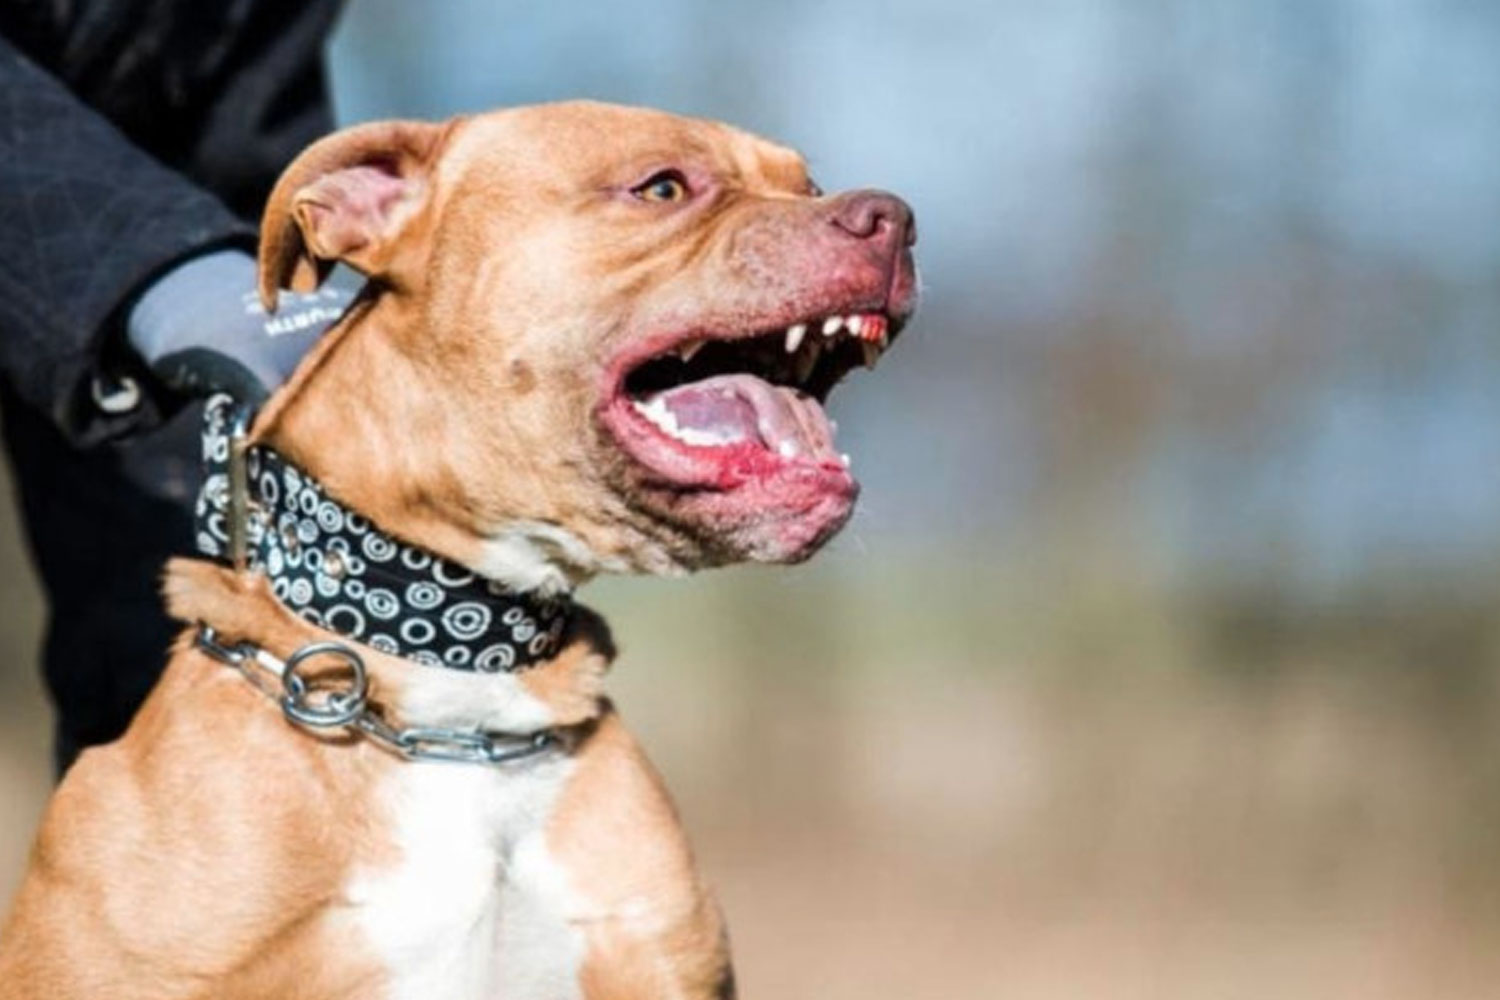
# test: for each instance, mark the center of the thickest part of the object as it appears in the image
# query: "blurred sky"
(1211, 284)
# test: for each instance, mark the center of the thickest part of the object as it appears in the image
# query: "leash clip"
(208, 640)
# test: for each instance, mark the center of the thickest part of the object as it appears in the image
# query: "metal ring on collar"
(337, 708)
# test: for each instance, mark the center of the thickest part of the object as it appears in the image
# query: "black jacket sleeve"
(86, 220)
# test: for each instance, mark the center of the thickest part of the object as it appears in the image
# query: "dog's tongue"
(729, 409)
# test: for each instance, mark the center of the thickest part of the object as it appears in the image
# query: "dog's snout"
(875, 215)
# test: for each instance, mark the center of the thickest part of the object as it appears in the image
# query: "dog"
(594, 339)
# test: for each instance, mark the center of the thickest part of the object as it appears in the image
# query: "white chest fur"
(475, 908)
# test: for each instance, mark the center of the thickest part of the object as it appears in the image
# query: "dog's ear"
(348, 197)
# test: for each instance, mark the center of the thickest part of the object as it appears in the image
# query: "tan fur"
(199, 856)
(210, 851)
(656, 931)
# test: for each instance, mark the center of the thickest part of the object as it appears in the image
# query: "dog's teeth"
(794, 335)
(687, 350)
(806, 361)
(872, 353)
(786, 449)
(831, 325)
(665, 420)
(845, 460)
(854, 324)
(657, 412)
(702, 439)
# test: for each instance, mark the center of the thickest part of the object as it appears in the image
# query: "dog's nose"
(875, 215)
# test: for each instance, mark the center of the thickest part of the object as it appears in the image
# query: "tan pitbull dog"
(595, 339)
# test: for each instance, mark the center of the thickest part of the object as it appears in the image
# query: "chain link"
(321, 708)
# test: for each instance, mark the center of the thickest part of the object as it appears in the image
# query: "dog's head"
(600, 333)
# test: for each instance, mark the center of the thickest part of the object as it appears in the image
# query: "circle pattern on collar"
(336, 570)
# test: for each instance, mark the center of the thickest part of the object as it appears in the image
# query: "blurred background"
(1161, 658)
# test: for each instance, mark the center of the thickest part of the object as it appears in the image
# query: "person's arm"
(87, 222)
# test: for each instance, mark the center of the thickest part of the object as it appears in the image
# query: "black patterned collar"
(335, 569)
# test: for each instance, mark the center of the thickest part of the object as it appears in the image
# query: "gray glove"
(202, 330)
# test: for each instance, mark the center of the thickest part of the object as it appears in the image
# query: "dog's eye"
(665, 186)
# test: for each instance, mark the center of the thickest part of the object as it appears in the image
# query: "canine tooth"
(786, 449)
(845, 460)
(806, 362)
(831, 325)
(794, 335)
(687, 350)
(854, 324)
(872, 353)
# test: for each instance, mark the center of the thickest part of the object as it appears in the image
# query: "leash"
(235, 523)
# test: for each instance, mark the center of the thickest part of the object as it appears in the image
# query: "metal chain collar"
(326, 707)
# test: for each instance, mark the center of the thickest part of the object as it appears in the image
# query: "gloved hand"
(202, 330)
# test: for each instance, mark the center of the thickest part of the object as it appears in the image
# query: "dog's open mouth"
(715, 410)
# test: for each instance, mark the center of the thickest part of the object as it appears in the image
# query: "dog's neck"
(565, 690)
(337, 569)
(392, 438)
(517, 660)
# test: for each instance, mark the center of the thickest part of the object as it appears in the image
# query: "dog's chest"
(475, 908)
